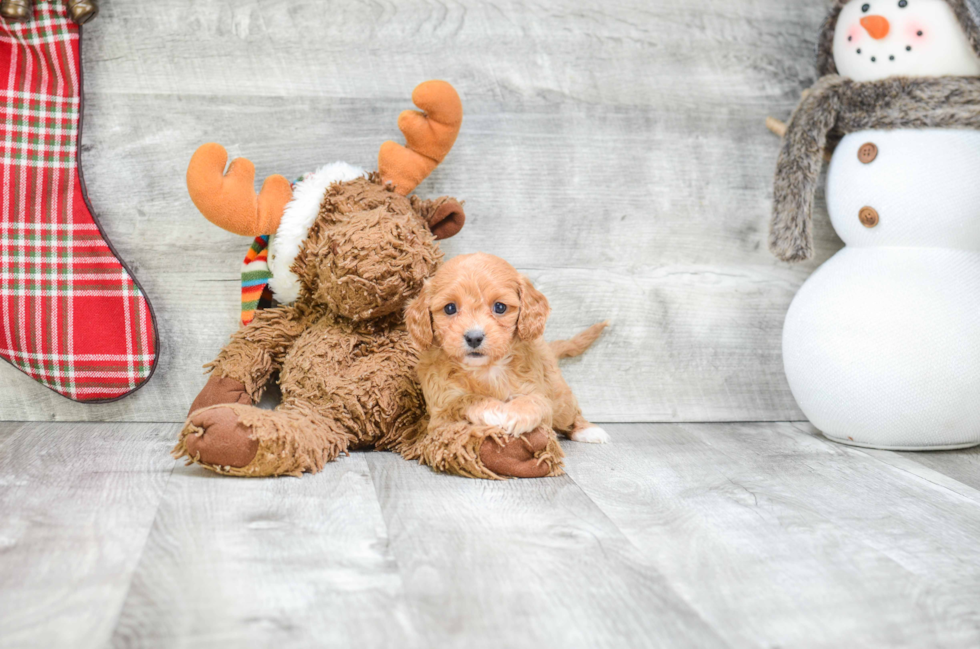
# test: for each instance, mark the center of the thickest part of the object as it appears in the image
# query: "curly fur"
(297, 219)
(835, 106)
(510, 384)
(343, 355)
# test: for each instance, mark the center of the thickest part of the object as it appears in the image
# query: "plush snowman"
(881, 345)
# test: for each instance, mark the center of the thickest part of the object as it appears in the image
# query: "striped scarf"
(255, 279)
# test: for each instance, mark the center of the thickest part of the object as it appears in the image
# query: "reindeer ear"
(534, 311)
(418, 319)
(444, 216)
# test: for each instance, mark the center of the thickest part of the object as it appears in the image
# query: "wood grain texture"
(779, 537)
(615, 151)
(524, 563)
(251, 562)
(7, 430)
(702, 535)
(962, 466)
(76, 504)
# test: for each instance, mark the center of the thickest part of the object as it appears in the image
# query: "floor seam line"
(142, 551)
(419, 636)
(648, 563)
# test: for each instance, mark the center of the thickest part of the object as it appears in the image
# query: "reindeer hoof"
(223, 440)
(516, 457)
(219, 391)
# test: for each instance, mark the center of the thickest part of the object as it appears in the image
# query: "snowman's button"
(868, 217)
(868, 152)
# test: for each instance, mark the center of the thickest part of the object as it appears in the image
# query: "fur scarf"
(836, 106)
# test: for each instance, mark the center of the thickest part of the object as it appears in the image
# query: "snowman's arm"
(776, 126)
(779, 128)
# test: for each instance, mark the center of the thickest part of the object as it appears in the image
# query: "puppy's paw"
(513, 423)
(590, 435)
(513, 418)
(498, 418)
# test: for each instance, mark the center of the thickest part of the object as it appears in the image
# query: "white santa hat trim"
(297, 219)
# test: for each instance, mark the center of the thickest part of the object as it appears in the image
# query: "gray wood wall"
(613, 150)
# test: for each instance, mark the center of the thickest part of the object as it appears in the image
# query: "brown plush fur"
(343, 355)
(507, 384)
(836, 106)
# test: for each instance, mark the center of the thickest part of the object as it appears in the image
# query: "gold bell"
(16, 11)
(82, 11)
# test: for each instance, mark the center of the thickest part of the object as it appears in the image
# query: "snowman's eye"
(865, 8)
(903, 3)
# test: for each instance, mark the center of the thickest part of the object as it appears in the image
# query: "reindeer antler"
(429, 135)
(228, 199)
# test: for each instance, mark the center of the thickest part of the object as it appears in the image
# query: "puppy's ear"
(418, 319)
(534, 311)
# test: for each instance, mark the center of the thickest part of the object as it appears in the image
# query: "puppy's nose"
(474, 338)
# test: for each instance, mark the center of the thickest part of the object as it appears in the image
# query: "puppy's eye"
(865, 8)
(450, 309)
(500, 308)
(903, 3)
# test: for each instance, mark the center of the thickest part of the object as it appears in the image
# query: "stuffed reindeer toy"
(349, 250)
(17, 11)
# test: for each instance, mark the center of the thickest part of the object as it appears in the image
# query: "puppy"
(484, 361)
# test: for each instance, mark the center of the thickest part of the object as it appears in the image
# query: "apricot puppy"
(484, 361)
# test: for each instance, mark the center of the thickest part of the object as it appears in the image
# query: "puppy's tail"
(578, 344)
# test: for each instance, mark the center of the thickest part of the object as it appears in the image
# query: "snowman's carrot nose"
(877, 26)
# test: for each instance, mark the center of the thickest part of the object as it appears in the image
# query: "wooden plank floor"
(738, 535)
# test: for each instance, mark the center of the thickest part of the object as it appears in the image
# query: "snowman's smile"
(878, 28)
(877, 56)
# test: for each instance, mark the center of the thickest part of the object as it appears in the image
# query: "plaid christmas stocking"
(72, 317)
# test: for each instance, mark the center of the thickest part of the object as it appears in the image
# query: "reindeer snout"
(877, 26)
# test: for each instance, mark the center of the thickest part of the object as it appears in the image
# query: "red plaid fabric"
(71, 315)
